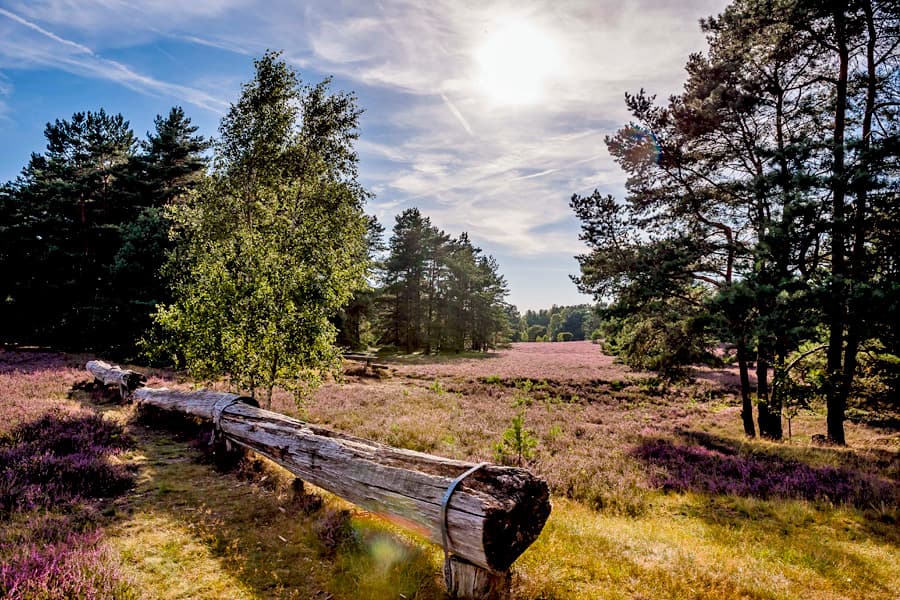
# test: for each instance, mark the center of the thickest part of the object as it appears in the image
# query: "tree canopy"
(269, 246)
(757, 197)
(439, 293)
(83, 235)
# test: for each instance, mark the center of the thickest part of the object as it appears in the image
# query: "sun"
(515, 64)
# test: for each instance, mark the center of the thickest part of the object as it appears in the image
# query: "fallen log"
(492, 515)
(368, 360)
(108, 374)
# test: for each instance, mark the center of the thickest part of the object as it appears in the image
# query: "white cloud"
(500, 172)
(6, 89)
(25, 43)
(432, 137)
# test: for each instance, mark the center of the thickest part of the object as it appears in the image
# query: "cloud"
(503, 173)
(75, 46)
(106, 16)
(431, 137)
(19, 47)
(6, 89)
(459, 116)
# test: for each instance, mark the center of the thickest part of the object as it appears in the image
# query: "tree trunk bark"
(858, 269)
(764, 415)
(836, 405)
(112, 375)
(746, 402)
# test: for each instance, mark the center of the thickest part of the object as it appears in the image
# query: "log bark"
(109, 374)
(492, 517)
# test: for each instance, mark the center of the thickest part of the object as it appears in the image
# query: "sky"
(487, 116)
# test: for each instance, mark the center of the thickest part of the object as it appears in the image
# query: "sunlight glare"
(515, 63)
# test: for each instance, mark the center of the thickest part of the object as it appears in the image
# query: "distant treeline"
(558, 324)
(429, 292)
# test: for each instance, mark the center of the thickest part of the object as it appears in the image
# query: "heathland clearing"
(656, 492)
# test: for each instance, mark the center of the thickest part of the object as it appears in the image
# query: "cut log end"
(520, 517)
(107, 374)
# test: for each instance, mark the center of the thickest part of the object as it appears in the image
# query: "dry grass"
(608, 440)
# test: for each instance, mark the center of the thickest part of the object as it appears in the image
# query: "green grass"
(227, 532)
(189, 531)
(691, 546)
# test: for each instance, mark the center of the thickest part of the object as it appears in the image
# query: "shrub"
(59, 459)
(48, 467)
(728, 471)
(517, 442)
(662, 336)
(617, 385)
(76, 568)
(563, 336)
(536, 331)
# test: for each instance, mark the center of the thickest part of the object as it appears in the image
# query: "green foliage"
(517, 443)
(356, 320)
(535, 332)
(437, 387)
(766, 183)
(553, 327)
(440, 294)
(563, 336)
(83, 235)
(270, 245)
(665, 337)
(579, 320)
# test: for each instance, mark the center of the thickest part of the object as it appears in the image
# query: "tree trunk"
(112, 375)
(859, 272)
(835, 403)
(765, 415)
(469, 581)
(746, 402)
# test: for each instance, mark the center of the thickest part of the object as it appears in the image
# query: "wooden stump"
(471, 582)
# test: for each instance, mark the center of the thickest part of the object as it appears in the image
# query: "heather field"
(656, 492)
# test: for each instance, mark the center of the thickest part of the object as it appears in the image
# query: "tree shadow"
(253, 523)
(714, 465)
(803, 535)
(30, 362)
(421, 358)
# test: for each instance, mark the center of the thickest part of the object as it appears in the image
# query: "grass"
(695, 546)
(242, 534)
(656, 492)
